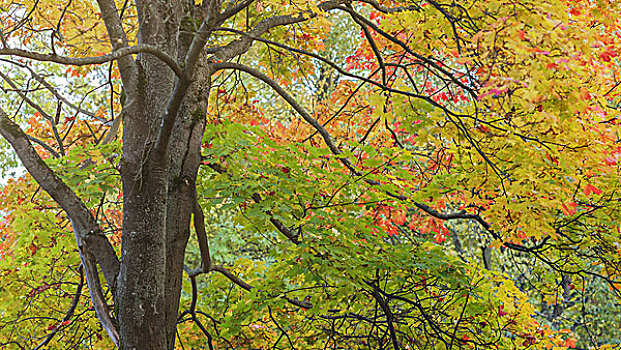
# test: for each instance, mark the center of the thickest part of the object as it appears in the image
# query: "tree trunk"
(141, 302)
(185, 154)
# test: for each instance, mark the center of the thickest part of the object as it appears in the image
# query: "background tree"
(353, 174)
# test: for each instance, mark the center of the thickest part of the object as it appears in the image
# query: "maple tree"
(305, 174)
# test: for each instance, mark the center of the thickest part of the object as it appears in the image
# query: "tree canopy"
(288, 174)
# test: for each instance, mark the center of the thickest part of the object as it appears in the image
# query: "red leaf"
(501, 312)
(439, 238)
(521, 34)
(552, 65)
(570, 343)
(588, 189)
(607, 56)
(570, 208)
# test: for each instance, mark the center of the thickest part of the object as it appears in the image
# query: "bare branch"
(51, 89)
(277, 223)
(84, 61)
(44, 145)
(404, 46)
(373, 45)
(389, 315)
(348, 74)
(94, 286)
(376, 5)
(192, 311)
(127, 66)
(68, 314)
(239, 47)
(114, 129)
(38, 108)
(230, 12)
(238, 281)
(201, 235)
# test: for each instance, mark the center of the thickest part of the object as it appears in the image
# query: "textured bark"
(141, 300)
(184, 150)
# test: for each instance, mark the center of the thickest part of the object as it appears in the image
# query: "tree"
(344, 144)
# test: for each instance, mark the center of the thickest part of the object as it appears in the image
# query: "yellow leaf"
(496, 244)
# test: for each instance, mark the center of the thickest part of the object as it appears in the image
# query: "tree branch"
(373, 45)
(94, 286)
(277, 223)
(201, 236)
(232, 11)
(117, 54)
(192, 312)
(239, 47)
(293, 237)
(127, 65)
(44, 145)
(403, 45)
(387, 312)
(384, 9)
(38, 108)
(68, 314)
(94, 247)
(51, 89)
(291, 101)
(348, 74)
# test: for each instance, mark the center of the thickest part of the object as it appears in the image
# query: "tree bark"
(141, 298)
(184, 150)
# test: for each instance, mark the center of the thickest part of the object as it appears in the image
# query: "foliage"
(373, 174)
